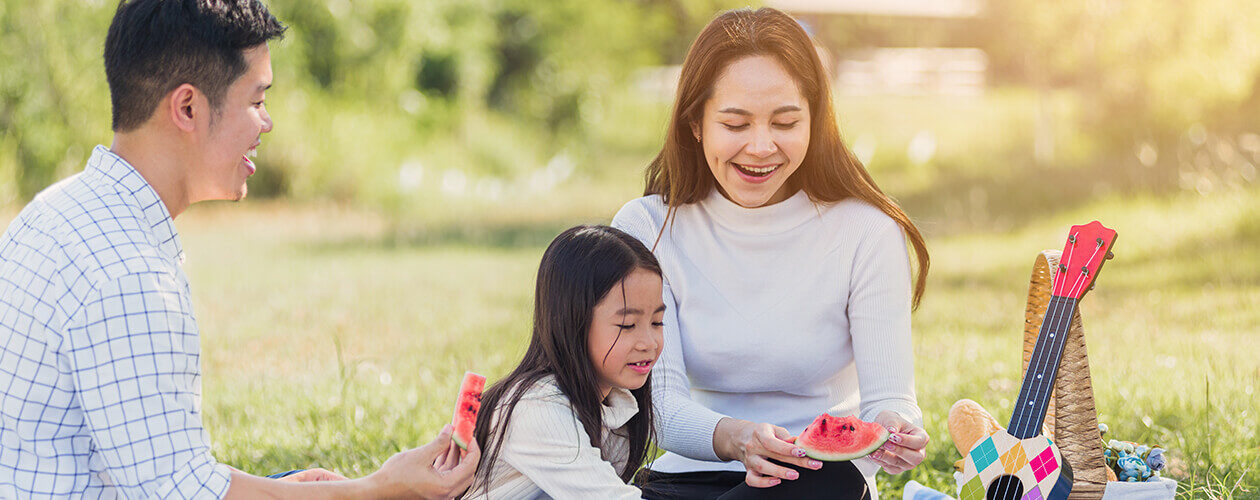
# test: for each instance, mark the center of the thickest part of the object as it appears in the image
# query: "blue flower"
(1156, 459)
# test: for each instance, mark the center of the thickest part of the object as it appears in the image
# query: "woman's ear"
(695, 130)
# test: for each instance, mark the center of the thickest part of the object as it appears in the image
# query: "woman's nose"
(762, 144)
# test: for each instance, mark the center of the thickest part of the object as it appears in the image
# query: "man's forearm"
(245, 486)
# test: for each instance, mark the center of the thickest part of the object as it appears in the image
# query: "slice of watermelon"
(836, 439)
(465, 419)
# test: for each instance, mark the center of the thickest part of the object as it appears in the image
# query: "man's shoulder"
(90, 224)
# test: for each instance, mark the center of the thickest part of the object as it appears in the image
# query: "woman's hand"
(755, 445)
(904, 449)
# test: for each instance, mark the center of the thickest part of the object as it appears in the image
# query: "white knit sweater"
(547, 454)
(776, 314)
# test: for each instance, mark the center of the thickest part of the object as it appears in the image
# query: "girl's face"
(626, 332)
(754, 131)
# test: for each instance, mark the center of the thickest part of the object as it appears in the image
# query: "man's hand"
(311, 475)
(433, 471)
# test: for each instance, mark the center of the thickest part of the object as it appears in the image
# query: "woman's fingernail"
(889, 446)
(896, 438)
(799, 453)
(892, 430)
(814, 464)
(878, 455)
(775, 481)
(793, 475)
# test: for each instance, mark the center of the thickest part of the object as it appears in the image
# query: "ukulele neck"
(1034, 395)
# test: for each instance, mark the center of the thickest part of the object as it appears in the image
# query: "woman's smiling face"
(754, 131)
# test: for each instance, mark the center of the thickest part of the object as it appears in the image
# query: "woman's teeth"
(757, 171)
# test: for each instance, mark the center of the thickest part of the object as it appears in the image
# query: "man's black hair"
(154, 46)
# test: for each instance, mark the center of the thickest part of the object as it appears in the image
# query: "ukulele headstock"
(1087, 247)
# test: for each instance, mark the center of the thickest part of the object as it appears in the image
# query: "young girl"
(574, 419)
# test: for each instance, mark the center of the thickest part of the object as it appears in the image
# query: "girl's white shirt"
(547, 454)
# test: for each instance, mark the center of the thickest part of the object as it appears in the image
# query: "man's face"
(234, 132)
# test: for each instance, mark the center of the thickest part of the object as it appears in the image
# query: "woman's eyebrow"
(781, 109)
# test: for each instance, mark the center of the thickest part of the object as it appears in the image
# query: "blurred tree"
(491, 85)
(1148, 70)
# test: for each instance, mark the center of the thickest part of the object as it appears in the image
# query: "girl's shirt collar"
(619, 407)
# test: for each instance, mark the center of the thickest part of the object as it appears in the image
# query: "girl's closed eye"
(735, 127)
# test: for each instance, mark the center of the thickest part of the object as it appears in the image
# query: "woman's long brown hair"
(829, 172)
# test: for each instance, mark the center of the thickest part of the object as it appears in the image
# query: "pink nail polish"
(814, 464)
(896, 438)
(889, 446)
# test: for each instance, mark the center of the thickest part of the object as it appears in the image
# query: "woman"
(786, 276)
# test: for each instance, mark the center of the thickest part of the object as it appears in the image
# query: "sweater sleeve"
(879, 322)
(683, 426)
(549, 446)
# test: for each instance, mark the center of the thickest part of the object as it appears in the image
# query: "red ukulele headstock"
(1083, 255)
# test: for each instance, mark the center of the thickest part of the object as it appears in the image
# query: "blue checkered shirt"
(99, 351)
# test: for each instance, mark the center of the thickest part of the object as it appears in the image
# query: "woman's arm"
(879, 323)
(683, 426)
(688, 428)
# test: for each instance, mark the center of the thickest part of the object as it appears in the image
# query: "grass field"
(328, 342)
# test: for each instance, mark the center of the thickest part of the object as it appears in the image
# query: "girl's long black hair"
(579, 268)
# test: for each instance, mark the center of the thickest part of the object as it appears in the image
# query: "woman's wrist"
(727, 437)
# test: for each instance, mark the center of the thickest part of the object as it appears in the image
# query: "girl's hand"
(755, 444)
(904, 449)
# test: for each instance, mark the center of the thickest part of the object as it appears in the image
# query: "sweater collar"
(776, 218)
(619, 407)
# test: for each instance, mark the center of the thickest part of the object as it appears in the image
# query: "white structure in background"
(901, 70)
(908, 8)
(912, 71)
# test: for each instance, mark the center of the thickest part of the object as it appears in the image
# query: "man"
(99, 350)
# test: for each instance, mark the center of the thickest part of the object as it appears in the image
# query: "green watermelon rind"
(813, 452)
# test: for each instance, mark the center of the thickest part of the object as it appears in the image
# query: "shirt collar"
(619, 407)
(109, 167)
(773, 219)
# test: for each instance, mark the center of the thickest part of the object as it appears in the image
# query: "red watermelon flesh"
(836, 439)
(465, 420)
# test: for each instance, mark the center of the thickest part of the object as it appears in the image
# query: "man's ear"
(183, 107)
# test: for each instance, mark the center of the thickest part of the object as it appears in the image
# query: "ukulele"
(1019, 463)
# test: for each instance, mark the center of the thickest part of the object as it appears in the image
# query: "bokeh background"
(425, 152)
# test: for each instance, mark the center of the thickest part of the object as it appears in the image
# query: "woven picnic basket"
(1071, 414)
